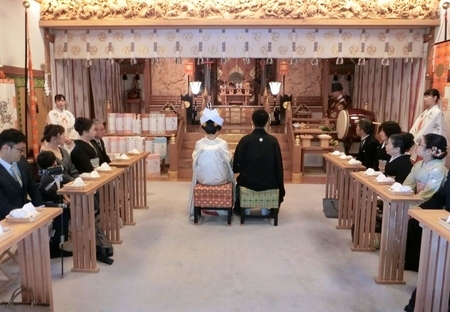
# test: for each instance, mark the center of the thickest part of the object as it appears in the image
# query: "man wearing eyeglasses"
(16, 178)
(98, 142)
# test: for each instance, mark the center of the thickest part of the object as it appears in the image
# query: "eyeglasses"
(21, 150)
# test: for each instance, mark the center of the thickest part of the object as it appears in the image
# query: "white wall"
(12, 34)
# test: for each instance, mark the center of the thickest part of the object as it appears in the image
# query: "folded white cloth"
(372, 172)
(336, 153)
(78, 182)
(354, 162)
(383, 178)
(105, 166)
(400, 188)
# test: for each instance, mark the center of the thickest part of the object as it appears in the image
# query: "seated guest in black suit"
(16, 177)
(368, 147)
(84, 155)
(98, 143)
(385, 130)
(48, 186)
(399, 164)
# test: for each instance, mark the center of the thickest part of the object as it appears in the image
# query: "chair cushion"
(214, 196)
(258, 199)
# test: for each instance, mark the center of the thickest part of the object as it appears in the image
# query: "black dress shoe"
(56, 253)
(408, 308)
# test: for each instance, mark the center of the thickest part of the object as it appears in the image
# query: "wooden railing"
(295, 148)
(176, 143)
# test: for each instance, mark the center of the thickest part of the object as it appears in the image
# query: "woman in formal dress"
(84, 155)
(399, 163)
(55, 136)
(430, 121)
(426, 178)
(385, 130)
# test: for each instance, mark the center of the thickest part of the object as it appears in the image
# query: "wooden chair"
(216, 197)
(262, 199)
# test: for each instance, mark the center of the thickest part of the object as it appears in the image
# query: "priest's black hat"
(336, 87)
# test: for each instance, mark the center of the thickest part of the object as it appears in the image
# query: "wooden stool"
(262, 199)
(215, 197)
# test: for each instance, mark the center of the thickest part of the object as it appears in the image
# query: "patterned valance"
(239, 43)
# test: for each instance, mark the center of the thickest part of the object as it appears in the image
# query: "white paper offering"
(381, 178)
(105, 166)
(343, 156)
(369, 171)
(135, 151)
(29, 208)
(336, 153)
(85, 175)
(448, 219)
(124, 156)
(94, 174)
(396, 186)
(78, 182)
(354, 162)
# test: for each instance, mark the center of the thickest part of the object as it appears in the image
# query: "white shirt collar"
(5, 164)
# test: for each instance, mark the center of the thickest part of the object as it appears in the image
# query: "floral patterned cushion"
(261, 199)
(215, 196)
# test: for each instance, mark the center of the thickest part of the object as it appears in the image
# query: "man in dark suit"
(368, 147)
(98, 142)
(16, 177)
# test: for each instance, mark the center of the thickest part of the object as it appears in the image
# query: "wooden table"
(338, 184)
(34, 255)
(314, 150)
(433, 282)
(82, 216)
(394, 227)
(136, 175)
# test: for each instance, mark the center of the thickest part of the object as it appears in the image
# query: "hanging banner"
(8, 105)
(332, 43)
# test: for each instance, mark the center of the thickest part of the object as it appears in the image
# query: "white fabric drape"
(393, 92)
(75, 81)
(106, 83)
(71, 78)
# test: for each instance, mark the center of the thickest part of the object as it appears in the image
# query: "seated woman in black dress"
(399, 164)
(84, 155)
(385, 130)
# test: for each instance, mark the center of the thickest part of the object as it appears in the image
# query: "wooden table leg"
(34, 264)
(109, 214)
(433, 283)
(393, 243)
(83, 233)
(126, 210)
(365, 212)
(345, 216)
(140, 185)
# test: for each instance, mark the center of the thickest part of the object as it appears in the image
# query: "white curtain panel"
(393, 92)
(71, 78)
(106, 83)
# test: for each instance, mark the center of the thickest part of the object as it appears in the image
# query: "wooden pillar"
(147, 84)
(296, 161)
(325, 85)
(173, 155)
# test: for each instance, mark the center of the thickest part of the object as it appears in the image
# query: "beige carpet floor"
(165, 263)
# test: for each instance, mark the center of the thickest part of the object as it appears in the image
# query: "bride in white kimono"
(211, 158)
(431, 120)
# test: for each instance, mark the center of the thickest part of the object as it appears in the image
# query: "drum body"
(348, 119)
